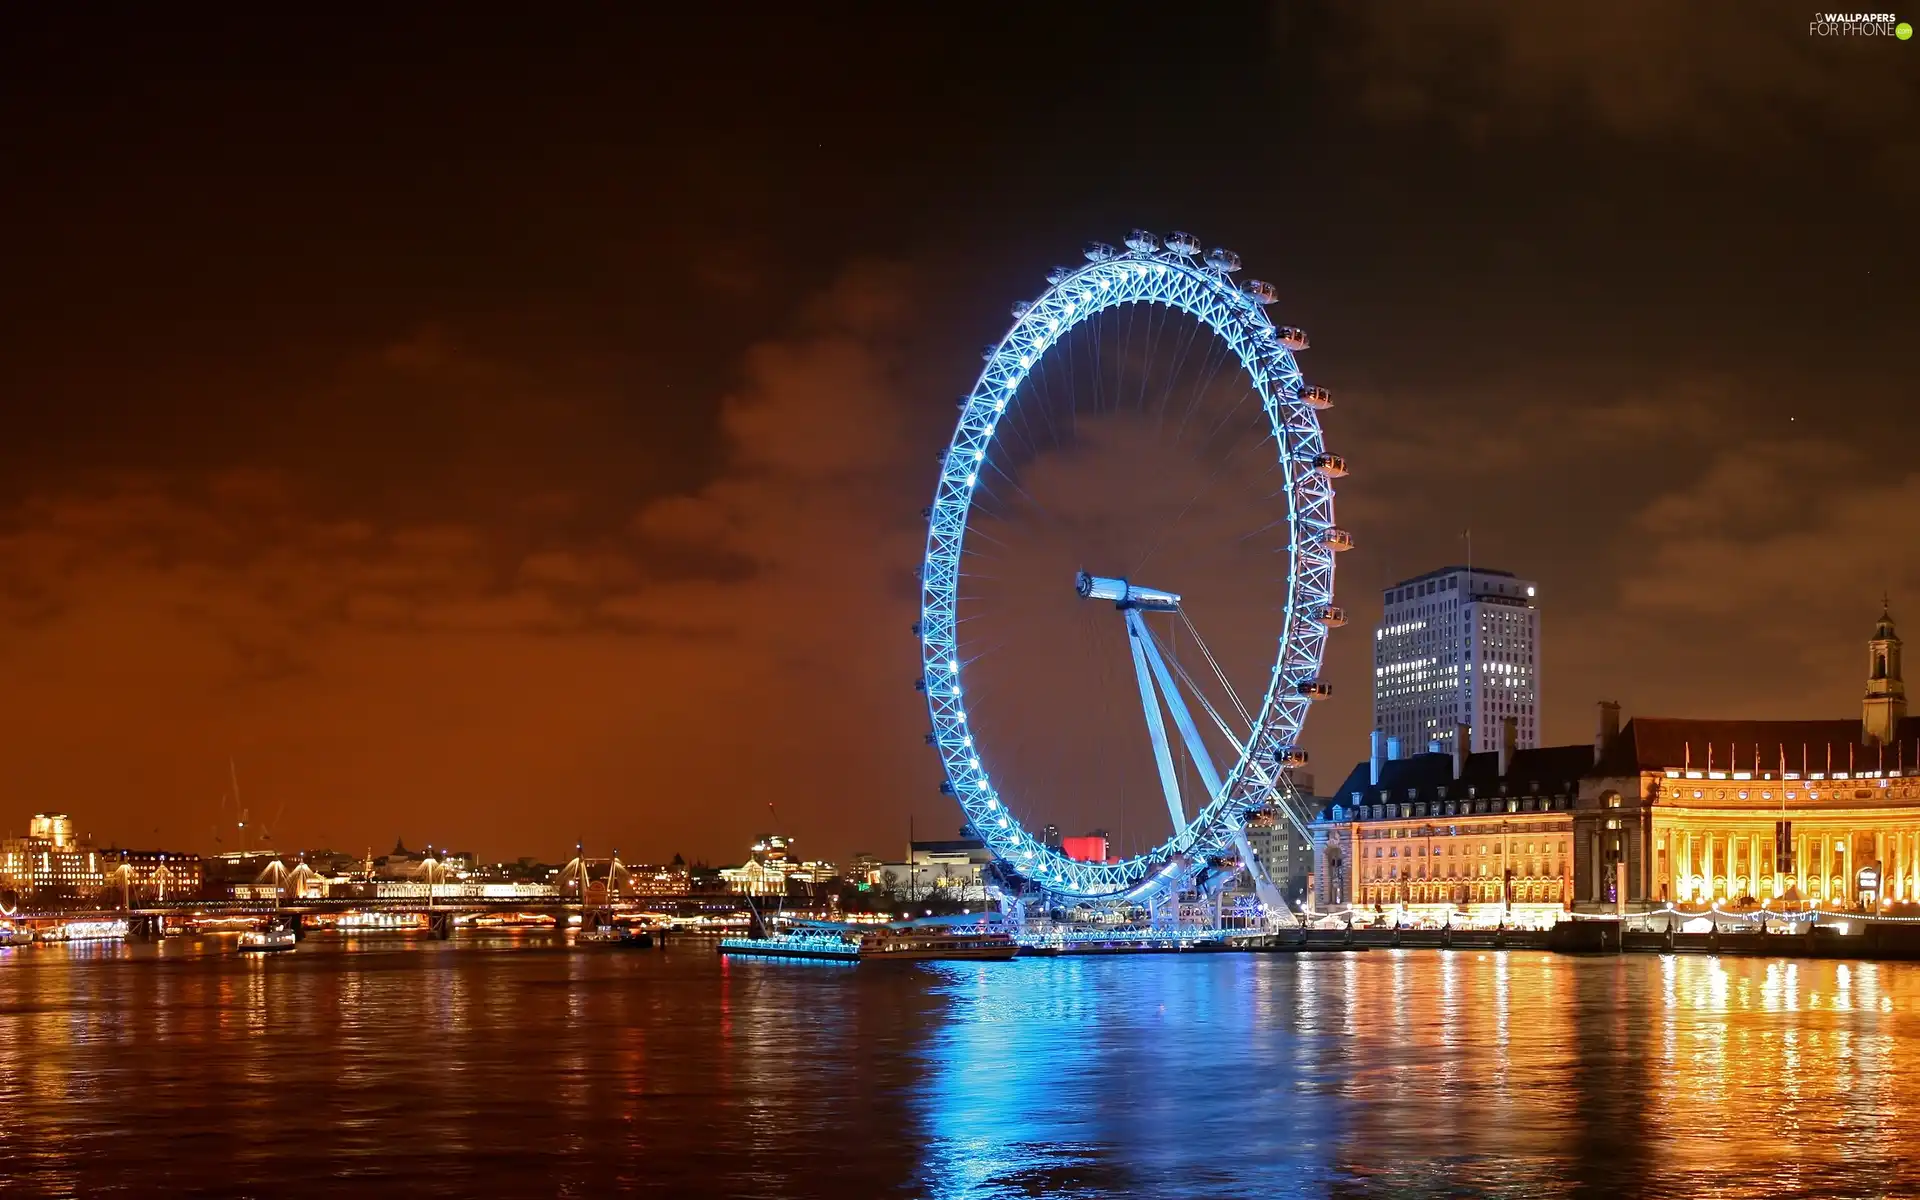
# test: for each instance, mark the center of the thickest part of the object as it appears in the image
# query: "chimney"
(1509, 742)
(1378, 755)
(1393, 749)
(1609, 730)
(1462, 746)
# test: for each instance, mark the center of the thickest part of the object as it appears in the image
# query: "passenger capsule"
(1332, 616)
(1223, 260)
(1337, 539)
(1020, 308)
(987, 352)
(1290, 756)
(1098, 251)
(1142, 242)
(1293, 339)
(1183, 243)
(1059, 275)
(1330, 465)
(1260, 290)
(1316, 397)
(1313, 689)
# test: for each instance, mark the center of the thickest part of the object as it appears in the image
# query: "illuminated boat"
(86, 931)
(850, 944)
(937, 943)
(267, 941)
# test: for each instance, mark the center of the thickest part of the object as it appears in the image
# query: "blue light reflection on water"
(1103, 1075)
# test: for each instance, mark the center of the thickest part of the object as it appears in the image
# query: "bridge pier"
(439, 925)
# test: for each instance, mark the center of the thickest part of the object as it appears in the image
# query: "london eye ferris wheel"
(1139, 461)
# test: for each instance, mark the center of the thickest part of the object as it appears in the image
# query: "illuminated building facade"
(152, 875)
(1091, 847)
(949, 868)
(1741, 813)
(50, 862)
(1458, 646)
(1457, 837)
(655, 879)
(773, 871)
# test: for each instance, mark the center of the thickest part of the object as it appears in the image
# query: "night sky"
(496, 433)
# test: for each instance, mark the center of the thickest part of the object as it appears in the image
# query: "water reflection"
(518, 1066)
(1415, 1073)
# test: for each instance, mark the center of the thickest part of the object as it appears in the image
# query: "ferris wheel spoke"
(1200, 395)
(1205, 488)
(1233, 696)
(1218, 354)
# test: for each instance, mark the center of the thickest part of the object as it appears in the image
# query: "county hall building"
(1683, 812)
(1741, 813)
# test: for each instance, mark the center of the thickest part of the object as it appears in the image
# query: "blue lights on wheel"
(1170, 274)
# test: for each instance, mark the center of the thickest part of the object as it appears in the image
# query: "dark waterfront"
(514, 1068)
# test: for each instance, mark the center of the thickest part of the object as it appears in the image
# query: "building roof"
(949, 846)
(1544, 770)
(1883, 631)
(1453, 570)
(1656, 743)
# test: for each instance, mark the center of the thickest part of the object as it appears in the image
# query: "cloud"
(1638, 68)
(467, 659)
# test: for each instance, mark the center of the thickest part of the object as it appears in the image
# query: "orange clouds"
(502, 679)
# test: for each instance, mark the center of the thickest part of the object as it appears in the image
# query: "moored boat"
(905, 942)
(621, 936)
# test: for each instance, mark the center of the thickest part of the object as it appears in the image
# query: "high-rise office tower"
(1455, 647)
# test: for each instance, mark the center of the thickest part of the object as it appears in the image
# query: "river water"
(516, 1067)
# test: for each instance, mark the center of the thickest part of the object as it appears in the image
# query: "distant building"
(863, 870)
(1090, 848)
(50, 862)
(952, 869)
(243, 875)
(649, 879)
(152, 875)
(1283, 852)
(1455, 647)
(773, 871)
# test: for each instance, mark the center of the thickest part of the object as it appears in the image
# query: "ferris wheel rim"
(1235, 313)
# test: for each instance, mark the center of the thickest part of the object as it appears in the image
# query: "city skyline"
(577, 487)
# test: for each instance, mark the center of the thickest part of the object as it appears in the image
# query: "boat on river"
(619, 936)
(267, 941)
(853, 944)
